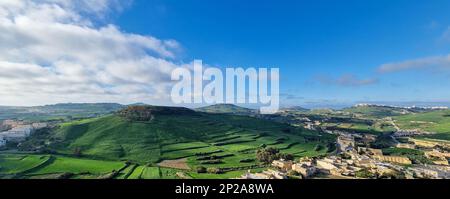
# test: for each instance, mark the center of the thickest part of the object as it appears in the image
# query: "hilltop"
(295, 108)
(227, 108)
(147, 112)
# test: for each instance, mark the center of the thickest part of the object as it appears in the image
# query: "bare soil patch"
(176, 164)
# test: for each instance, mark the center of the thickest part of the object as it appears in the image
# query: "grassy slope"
(167, 137)
(436, 121)
(12, 164)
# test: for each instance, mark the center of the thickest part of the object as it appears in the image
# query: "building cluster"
(268, 174)
(305, 168)
(351, 160)
(17, 131)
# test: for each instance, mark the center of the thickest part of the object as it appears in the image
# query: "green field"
(13, 164)
(436, 121)
(23, 165)
(76, 165)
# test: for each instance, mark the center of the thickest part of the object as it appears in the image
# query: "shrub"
(267, 155)
(247, 160)
(318, 147)
(77, 152)
(214, 170)
(211, 162)
(286, 156)
(201, 169)
(364, 173)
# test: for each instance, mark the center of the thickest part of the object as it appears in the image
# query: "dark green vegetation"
(416, 156)
(224, 144)
(383, 141)
(58, 111)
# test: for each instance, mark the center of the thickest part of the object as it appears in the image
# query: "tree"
(214, 170)
(77, 152)
(267, 155)
(201, 169)
(318, 147)
(364, 173)
(286, 156)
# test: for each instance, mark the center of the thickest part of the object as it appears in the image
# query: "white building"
(325, 164)
(37, 126)
(17, 134)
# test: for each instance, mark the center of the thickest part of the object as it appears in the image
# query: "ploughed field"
(162, 145)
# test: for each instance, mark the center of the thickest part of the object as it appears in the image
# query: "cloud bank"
(52, 51)
(429, 63)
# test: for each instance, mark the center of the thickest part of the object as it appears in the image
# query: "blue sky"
(328, 51)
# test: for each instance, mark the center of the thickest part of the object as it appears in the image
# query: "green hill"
(376, 111)
(141, 142)
(295, 109)
(159, 133)
(227, 109)
(58, 111)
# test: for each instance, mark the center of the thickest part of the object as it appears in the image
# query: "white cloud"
(433, 63)
(51, 51)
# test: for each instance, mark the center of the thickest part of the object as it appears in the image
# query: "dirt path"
(176, 164)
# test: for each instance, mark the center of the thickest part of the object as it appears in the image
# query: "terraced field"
(213, 141)
(39, 166)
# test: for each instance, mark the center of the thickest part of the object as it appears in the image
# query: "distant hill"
(295, 108)
(58, 111)
(380, 111)
(227, 109)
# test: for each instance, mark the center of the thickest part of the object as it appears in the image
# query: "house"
(305, 170)
(39, 125)
(424, 143)
(269, 174)
(441, 162)
(256, 176)
(18, 133)
(370, 151)
(275, 174)
(437, 154)
(425, 173)
(365, 162)
(325, 164)
(393, 159)
(405, 146)
(346, 143)
(382, 170)
(284, 165)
